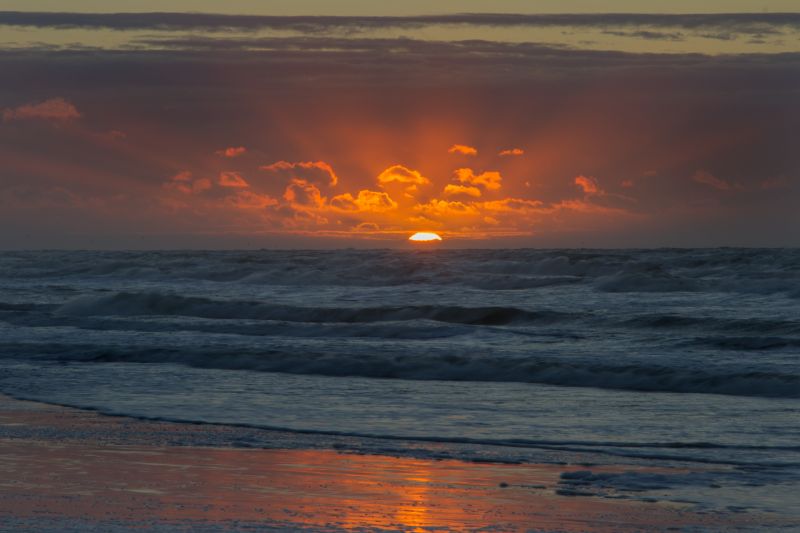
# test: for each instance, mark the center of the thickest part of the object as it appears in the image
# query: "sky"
(407, 7)
(195, 124)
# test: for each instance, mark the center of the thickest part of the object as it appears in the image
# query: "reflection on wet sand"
(141, 485)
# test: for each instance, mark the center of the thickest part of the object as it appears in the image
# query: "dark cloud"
(734, 22)
(648, 35)
(208, 63)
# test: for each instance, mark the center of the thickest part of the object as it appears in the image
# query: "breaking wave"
(138, 304)
(438, 366)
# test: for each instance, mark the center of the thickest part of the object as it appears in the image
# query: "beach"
(66, 469)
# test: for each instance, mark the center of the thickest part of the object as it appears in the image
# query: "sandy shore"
(64, 469)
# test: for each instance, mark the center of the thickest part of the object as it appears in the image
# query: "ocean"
(687, 357)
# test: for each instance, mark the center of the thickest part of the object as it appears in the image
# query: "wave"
(749, 343)
(641, 282)
(707, 323)
(692, 452)
(749, 271)
(157, 304)
(766, 333)
(436, 366)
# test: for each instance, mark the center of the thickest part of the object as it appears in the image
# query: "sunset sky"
(354, 123)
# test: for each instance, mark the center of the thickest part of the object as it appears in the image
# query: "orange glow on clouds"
(56, 109)
(453, 190)
(310, 198)
(401, 174)
(589, 185)
(491, 180)
(308, 165)
(233, 151)
(463, 149)
(232, 179)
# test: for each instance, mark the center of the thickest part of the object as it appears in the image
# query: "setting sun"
(425, 236)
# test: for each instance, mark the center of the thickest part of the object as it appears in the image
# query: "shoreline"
(69, 469)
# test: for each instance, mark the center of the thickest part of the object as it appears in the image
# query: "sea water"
(655, 356)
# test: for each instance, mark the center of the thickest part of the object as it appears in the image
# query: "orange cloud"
(303, 204)
(200, 185)
(582, 206)
(401, 174)
(183, 183)
(307, 165)
(183, 175)
(232, 179)
(588, 184)
(251, 200)
(369, 201)
(52, 109)
(367, 227)
(462, 149)
(509, 205)
(512, 152)
(453, 190)
(491, 180)
(233, 151)
(300, 193)
(443, 209)
(706, 178)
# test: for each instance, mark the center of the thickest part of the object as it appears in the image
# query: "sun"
(425, 236)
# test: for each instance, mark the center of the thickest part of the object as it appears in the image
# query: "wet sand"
(64, 469)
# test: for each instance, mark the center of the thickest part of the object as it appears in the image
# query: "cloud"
(511, 152)
(462, 149)
(285, 62)
(401, 174)
(508, 205)
(53, 109)
(706, 178)
(366, 201)
(491, 180)
(185, 184)
(588, 184)
(232, 180)
(367, 227)
(183, 175)
(453, 190)
(300, 193)
(751, 23)
(322, 166)
(444, 209)
(200, 185)
(587, 207)
(233, 151)
(649, 35)
(251, 200)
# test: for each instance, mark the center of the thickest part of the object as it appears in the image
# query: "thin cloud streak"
(750, 23)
